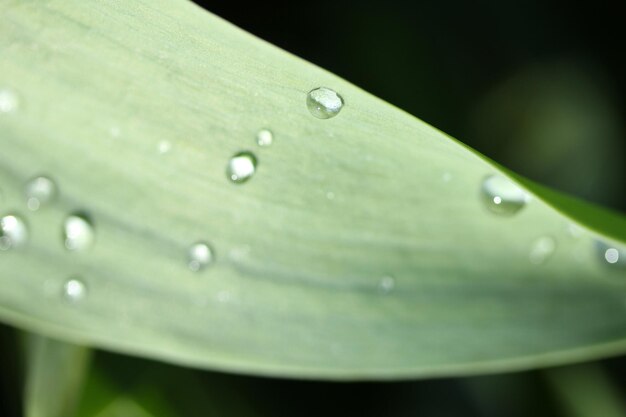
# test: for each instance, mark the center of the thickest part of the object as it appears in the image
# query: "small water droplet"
(446, 177)
(74, 290)
(39, 190)
(9, 101)
(502, 196)
(324, 103)
(78, 232)
(264, 137)
(13, 232)
(330, 195)
(164, 147)
(199, 256)
(386, 284)
(611, 255)
(241, 167)
(541, 249)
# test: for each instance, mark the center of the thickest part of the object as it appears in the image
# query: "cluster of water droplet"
(78, 231)
(499, 194)
(321, 102)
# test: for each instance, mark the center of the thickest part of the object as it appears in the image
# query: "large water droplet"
(9, 101)
(200, 255)
(611, 255)
(74, 290)
(502, 196)
(264, 137)
(78, 232)
(541, 249)
(241, 167)
(13, 232)
(324, 103)
(39, 190)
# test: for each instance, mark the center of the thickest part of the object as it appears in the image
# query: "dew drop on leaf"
(199, 256)
(74, 290)
(78, 232)
(324, 103)
(502, 196)
(13, 232)
(611, 255)
(264, 137)
(241, 167)
(39, 191)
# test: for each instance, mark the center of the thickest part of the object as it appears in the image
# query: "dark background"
(538, 86)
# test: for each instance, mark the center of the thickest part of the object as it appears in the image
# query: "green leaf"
(360, 249)
(55, 375)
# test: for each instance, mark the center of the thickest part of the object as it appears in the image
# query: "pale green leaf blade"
(359, 249)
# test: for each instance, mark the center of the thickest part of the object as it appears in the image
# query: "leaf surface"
(360, 249)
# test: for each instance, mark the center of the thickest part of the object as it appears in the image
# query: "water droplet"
(330, 195)
(74, 290)
(241, 167)
(13, 232)
(78, 232)
(324, 103)
(386, 284)
(9, 101)
(200, 255)
(541, 249)
(39, 190)
(164, 147)
(611, 255)
(502, 196)
(446, 177)
(264, 137)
